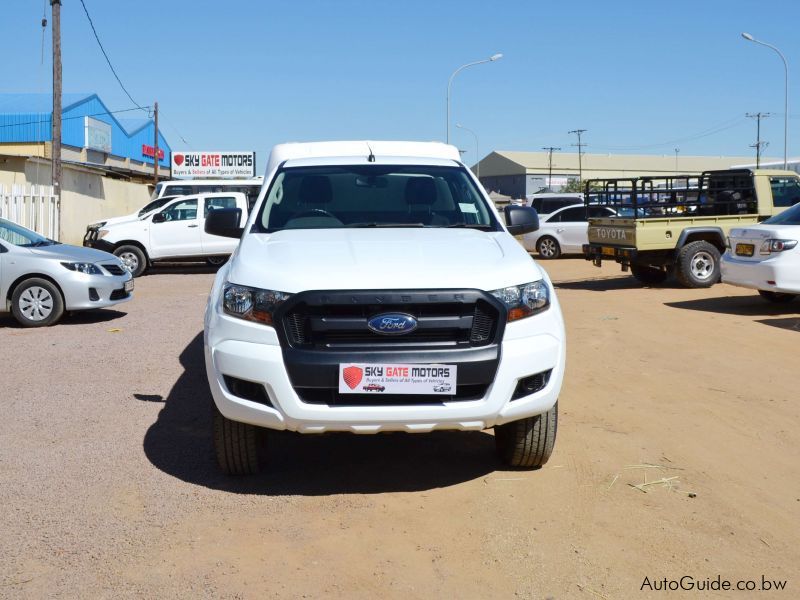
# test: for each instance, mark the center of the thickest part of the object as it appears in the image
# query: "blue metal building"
(87, 123)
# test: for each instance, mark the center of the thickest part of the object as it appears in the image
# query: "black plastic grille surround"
(114, 269)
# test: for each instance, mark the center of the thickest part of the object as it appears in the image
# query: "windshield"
(373, 196)
(790, 216)
(150, 207)
(157, 191)
(19, 236)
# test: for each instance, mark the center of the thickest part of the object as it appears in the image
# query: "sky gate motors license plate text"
(359, 378)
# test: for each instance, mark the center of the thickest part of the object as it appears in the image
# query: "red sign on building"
(150, 151)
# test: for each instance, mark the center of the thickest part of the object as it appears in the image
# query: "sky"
(642, 77)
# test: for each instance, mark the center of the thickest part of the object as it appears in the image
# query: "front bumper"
(756, 275)
(83, 292)
(597, 253)
(252, 352)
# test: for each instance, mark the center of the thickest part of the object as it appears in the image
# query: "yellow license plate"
(745, 249)
(607, 251)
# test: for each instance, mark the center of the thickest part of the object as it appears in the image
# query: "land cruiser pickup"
(375, 288)
(680, 224)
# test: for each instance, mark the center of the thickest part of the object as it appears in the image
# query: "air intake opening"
(93, 295)
(248, 390)
(531, 384)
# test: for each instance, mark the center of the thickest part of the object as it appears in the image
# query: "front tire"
(649, 275)
(527, 443)
(133, 258)
(216, 261)
(777, 297)
(698, 265)
(235, 444)
(37, 303)
(548, 247)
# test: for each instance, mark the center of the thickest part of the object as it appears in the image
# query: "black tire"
(698, 265)
(777, 297)
(236, 445)
(37, 302)
(134, 259)
(216, 261)
(527, 443)
(548, 247)
(649, 275)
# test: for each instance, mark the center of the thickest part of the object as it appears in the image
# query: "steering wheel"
(314, 212)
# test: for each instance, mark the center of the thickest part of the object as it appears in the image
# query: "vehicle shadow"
(83, 317)
(609, 284)
(182, 268)
(179, 443)
(743, 306)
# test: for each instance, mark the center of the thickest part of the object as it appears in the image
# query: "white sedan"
(765, 257)
(564, 231)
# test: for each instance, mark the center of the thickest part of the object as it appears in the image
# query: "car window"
(219, 202)
(600, 211)
(151, 206)
(572, 215)
(787, 217)
(785, 190)
(537, 204)
(181, 211)
(20, 236)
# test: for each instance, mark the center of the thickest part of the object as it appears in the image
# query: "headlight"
(524, 300)
(770, 246)
(97, 225)
(252, 304)
(102, 233)
(87, 268)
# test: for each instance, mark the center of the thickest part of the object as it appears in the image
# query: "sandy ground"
(109, 489)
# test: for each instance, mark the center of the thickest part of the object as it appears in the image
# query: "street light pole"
(492, 58)
(477, 153)
(750, 38)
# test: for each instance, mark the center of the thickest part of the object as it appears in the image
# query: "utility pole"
(550, 150)
(676, 160)
(759, 144)
(55, 5)
(580, 146)
(155, 145)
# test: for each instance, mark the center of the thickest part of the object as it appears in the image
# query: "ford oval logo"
(392, 323)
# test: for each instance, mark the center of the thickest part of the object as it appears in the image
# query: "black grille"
(332, 397)
(445, 325)
(119, 294)
(114, 269)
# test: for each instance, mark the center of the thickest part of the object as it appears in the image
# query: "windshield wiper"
(373, 224)
(468, 226)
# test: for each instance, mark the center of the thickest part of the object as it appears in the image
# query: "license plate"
(129, 285)
(745, 249)
(605, 251)
(393, 378)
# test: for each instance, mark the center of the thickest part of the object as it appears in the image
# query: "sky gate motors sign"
(213, 164)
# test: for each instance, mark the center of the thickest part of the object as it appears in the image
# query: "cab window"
(219, 202)
(181, 211)
(785, 191)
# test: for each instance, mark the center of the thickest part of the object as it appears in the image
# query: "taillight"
(770, 246)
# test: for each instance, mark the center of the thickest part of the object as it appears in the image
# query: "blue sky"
(640, 76)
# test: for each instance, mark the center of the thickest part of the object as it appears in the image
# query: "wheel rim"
(36, 303)
(130, 261)
(547, 248)
(217, 261)
(702, 265)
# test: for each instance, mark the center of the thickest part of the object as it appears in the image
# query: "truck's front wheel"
(649, 275)
(235, 444)
(698, 265)
(527, 443)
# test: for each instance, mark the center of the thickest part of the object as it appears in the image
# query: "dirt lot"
(109, 488)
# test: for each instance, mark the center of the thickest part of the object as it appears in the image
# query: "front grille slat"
(332, 397)
(114, 269)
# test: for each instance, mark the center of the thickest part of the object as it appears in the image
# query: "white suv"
(375, 289)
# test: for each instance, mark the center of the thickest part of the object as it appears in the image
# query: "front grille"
(114, 269)
(332, 397)
(344, 326)
(119, 294)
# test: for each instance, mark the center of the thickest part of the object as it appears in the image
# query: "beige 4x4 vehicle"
(680, 224)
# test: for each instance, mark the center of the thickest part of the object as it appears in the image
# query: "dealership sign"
(213, 164)
(151, 152)
(97, 135)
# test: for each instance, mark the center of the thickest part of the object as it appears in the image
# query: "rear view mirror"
(521, 219)
(224, 222)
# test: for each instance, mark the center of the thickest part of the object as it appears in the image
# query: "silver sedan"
(41, 278)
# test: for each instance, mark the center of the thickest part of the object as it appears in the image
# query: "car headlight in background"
(524, 300)
(770, 246)
(79, 267)
(251, 304)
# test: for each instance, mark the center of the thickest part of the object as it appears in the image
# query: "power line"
(108, 60)
(729, 124)
(100, 114)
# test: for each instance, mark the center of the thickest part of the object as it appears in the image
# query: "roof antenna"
(371, 157)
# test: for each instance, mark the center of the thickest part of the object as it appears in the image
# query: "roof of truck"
(361, 148)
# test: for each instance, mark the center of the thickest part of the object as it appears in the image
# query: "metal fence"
(35, 207)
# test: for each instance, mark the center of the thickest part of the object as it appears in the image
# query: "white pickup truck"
(175, 232)
(376, 288)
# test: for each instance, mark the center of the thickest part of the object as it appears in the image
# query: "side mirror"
(224, 222)
(159, 217)
(521, 219)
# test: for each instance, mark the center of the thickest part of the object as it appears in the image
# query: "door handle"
(191, 226)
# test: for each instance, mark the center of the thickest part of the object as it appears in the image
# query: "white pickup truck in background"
(175, 232)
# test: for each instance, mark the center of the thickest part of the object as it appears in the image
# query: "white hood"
(329, 259)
